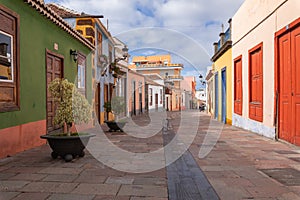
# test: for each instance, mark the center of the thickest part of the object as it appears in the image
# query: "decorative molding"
(222, 50)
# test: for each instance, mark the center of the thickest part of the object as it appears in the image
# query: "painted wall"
(137, 78)
(176, 99)
(107, 78)
(210, 97)
(225, 61)
(265, 21)
(33, 45)
(155, 90)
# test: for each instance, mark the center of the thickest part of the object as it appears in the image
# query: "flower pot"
(67, 147)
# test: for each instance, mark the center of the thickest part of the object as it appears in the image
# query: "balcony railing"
(174, 77)
(227, 38)
(227, 35)
(159, 65)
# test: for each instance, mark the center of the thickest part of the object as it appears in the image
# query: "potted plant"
(116, 106)
(115, 70)
(72, 108)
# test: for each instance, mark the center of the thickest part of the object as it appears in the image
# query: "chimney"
(215, 47)
(222, 38)
(230, 27)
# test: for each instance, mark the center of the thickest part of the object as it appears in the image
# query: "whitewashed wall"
(155, 90)
(257, 21)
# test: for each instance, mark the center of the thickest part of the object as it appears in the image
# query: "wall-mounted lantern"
(74, 54)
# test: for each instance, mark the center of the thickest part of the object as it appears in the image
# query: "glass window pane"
(81, 76)
(6, 57)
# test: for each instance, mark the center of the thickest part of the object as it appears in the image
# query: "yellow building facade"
(222, 73)
(223, 70)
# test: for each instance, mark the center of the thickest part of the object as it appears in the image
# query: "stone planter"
(67, 147)
(115, 126)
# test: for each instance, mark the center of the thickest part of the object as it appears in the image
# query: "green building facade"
(38, 48)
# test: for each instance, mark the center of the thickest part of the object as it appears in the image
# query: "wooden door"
(256, 83)
(106, 99)
(97, 103)
(216, 96)
(156, 101)
(167, 104)
(289, 86)
(141, 103)
(133, 103)
(238, 86)
(285, 88)
(295, 55)
(54, 70)
(223, 75)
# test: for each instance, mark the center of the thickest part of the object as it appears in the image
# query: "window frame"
(9, 58)
(12, 86)
(256, 106)
(82, 65)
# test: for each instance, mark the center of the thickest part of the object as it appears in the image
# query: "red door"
(238, 87)
(289, 87)
(285, 88)
(295, 48)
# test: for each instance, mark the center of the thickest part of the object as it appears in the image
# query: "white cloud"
(186, 28)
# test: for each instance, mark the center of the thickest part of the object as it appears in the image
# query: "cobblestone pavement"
(242, 165)
(34, 175)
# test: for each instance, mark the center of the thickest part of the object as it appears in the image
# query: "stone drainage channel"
(186, 181)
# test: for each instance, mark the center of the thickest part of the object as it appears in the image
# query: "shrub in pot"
(72, 108)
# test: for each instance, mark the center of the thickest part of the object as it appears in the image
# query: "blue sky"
(186, 29)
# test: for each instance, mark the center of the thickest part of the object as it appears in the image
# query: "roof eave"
(57, 20)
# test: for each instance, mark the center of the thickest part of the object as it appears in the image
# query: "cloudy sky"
(184, 28)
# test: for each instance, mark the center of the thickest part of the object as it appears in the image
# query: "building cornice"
(155, 68)
(222, 50)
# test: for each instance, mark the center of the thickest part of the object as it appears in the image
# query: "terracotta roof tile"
(62, 11)
(40, 7)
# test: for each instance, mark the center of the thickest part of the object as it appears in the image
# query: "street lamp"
(203, 82)
(113, 66)
(125, 54)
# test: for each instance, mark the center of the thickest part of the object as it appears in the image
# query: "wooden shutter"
(256, 83)
(238, 86)
(9, 91)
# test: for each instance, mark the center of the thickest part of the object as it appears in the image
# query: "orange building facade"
(171, 73)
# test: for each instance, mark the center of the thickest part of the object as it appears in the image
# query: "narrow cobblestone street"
(242, 165)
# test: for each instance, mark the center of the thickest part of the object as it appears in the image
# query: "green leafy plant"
(115, 106)
(107, 106)
(72, 106)
(115, 70)
(118, 105)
